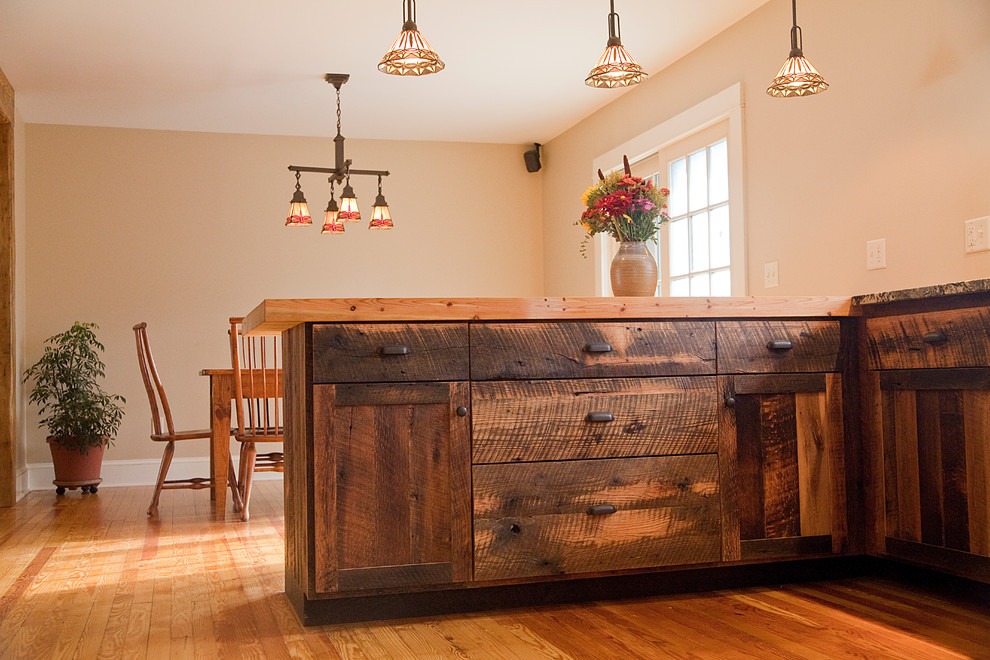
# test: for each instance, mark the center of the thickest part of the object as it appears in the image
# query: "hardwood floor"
(89, 576)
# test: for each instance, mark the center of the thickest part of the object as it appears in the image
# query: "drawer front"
(573, 517)
(550, 420)
(778, 346)
(367, 353)
(590, 350)
(951, 338)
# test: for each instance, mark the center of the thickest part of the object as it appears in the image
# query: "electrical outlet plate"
(977, 235)
(771, 276)
(876, 254)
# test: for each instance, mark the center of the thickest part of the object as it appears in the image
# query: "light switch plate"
(771, 276)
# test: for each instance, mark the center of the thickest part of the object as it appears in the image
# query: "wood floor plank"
(92, 577)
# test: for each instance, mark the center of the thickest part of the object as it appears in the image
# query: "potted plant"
(81, 418)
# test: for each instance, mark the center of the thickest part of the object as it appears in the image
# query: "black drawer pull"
(602, 510)
(780, 345)
(730, 402)
(598, 347)
(936, 337)
(599, 417)
(397, 349)
(462, 411)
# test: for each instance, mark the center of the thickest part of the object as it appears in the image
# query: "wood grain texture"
(976, 425)
(298, 480)
(394, 469)
(742, 346)
(275, 315)
(558, 350)
(906, 461)
(8, 405)
(780, 467)
(533, 519)
(729, 475)
(547, 420)
(357, 353)
(814, 466)
(897, 342)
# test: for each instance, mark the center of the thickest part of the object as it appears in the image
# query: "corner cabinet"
(446, 465)
(929, 387)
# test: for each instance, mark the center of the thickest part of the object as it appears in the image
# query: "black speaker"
(532, 158)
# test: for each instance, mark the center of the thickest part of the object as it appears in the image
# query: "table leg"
(221, 394)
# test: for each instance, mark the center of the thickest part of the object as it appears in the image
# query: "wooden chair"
(160, 409)
(257, 364)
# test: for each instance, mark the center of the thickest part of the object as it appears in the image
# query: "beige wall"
(183, 230)
(897, 148)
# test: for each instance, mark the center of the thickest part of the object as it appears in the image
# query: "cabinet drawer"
(579, 349)
(593, 418)
(778, 346)
(574, 517)
(366, 352)
(951, 338)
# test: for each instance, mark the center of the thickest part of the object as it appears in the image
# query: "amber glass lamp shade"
(616, 68)
(410, 54)
(349, 211)
(380, 217)
(298, 215)
(797, 77)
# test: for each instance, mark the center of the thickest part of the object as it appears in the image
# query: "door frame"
(8, 491)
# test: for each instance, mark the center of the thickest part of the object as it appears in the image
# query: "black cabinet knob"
(461, 411)
(730, 402)
(780, 345)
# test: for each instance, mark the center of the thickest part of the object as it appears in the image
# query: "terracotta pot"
(634, 270)
(72, 467)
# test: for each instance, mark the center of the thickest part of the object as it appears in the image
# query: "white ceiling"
(515, 68)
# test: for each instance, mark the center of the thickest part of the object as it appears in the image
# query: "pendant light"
(349, 211)
(331, 220)
(410, 54)
(298, 215)
(380, 217)
(797, 76)
(616, 67)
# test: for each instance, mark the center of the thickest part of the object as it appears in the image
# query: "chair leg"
(248, 454)
(162, 472)
(232, 483)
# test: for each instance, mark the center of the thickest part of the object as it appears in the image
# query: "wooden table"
(221, 395)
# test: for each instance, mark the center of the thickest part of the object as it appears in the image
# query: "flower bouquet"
(626, 207)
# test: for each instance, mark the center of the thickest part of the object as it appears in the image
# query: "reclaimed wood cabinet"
(431, 463)
(782, 438)
(929, 387)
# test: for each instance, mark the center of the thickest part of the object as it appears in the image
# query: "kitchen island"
(453, 454)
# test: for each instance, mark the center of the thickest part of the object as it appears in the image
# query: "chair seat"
(181, 435)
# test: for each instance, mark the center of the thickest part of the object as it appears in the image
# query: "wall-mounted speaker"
(532, 158)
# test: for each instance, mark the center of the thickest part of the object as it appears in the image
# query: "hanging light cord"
(409, 15)
(614, 28)
(797, 39)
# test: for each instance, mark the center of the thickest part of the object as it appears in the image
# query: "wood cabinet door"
(935, 430)
(391, 481)
(782, 465)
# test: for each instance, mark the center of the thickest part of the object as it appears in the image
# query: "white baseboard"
(130, 472)
(21, 483)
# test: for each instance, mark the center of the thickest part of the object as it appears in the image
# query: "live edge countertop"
(275, 315)
(924, 292)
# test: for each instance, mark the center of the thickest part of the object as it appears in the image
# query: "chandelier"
(335, 216)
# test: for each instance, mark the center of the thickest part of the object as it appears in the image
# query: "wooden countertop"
(276, 315)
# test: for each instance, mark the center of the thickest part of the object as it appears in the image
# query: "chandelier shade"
(349, 211)
(331, 221)
(616, 67)
(410, 54)
(298, 215)
(797, 76)
(380, 217)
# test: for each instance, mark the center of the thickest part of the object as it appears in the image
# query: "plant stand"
(88, 485)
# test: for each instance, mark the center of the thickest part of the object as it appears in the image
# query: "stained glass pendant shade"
(410, 54)
(616, 67)
(797, 76)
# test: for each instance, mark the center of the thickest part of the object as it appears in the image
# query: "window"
(698, 156)
(694, 250)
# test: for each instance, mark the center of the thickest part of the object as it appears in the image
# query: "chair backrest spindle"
(152, 381)
(257, 368)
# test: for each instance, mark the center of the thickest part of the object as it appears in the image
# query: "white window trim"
(725, 105)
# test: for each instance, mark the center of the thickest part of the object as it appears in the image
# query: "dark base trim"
(959, 563)
(350, 609)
